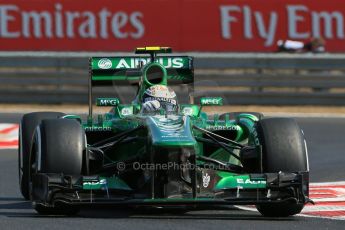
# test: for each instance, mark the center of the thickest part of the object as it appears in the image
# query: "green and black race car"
(155, 152)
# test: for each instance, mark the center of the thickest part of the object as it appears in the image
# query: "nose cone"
(171, 131)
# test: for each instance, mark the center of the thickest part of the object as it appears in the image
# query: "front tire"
(64, 210)
(60, 149)
(284, 149)
(27, 128)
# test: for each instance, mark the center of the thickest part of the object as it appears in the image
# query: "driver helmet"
(159, 97)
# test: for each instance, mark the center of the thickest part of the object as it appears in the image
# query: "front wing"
(53, 189)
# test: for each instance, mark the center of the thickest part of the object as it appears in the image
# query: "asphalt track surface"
(326, 143)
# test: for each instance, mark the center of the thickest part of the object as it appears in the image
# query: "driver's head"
(159, 97)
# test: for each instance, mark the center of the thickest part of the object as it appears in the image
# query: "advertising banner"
(185, 25)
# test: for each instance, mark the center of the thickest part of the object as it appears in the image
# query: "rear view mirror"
(107, 101)
(205, 101)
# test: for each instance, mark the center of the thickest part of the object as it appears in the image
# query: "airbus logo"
(125, 63)
(105, 63)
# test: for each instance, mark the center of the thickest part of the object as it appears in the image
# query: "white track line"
(327, 183)
(322, 208)
(8, 136)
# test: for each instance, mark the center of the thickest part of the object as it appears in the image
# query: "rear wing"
(126, 70)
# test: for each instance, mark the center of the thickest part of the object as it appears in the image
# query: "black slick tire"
(284, 149)
(60, 150)
(28, 124)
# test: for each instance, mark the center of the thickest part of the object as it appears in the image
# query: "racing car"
(154, 152)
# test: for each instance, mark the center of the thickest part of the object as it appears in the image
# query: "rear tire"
(284, 149)
(233, 115)
(62, 147)
(27, 128)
